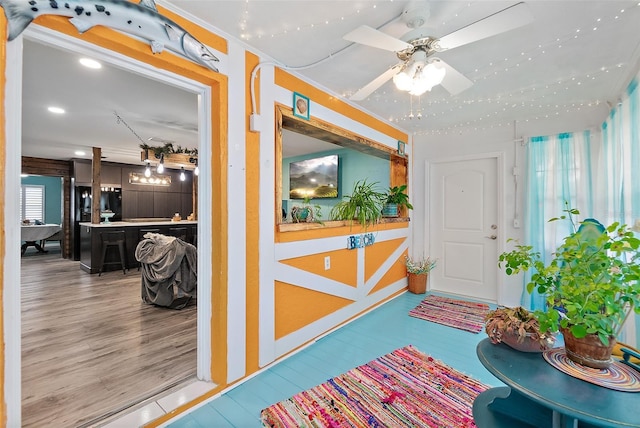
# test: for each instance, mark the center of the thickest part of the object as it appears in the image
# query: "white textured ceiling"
(576, 58)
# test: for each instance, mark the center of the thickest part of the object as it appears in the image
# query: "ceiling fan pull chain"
(410, 106)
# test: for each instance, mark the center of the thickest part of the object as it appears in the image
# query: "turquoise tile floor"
(379, 332)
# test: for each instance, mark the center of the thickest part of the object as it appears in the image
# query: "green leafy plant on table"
(591, 282)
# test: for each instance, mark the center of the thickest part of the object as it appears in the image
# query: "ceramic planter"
(588, 351)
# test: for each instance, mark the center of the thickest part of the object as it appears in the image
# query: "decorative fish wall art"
(141, 20)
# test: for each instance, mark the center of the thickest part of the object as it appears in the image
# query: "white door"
(464, 227)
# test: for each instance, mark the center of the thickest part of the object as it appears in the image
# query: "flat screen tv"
(314, 178)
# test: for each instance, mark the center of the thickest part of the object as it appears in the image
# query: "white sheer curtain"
(597, 174)
(560, 171)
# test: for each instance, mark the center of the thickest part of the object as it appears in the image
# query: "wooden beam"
(170, 159)
(194, 196)
(46, 167)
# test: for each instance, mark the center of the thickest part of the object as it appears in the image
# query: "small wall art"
(300, 106)
(401, 148)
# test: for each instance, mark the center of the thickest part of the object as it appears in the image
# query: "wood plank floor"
(90, 347)
(379, 332)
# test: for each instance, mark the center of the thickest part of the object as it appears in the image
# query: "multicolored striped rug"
(405, 388)
(460, 314)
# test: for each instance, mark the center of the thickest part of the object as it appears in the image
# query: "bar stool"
(113, 239)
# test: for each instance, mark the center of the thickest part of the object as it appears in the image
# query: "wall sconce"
(152, 180)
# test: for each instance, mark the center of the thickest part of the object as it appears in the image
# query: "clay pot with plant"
(518, 328)
(418, 272)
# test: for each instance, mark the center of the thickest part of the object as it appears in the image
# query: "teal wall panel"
(52, 196)
(352, 166)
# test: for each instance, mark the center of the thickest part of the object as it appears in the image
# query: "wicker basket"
(417, 283)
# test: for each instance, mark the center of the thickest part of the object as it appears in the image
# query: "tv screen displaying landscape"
(314, 178)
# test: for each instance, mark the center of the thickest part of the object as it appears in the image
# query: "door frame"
(500, 205)
(13, 121)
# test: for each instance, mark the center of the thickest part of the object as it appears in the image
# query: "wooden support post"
(194, 196)
(95, 185)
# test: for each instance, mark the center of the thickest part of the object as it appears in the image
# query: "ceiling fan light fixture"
(428, 77)
(418, 78)
(403, 81)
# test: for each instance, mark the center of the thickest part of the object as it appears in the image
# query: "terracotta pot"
(417, 283)
(588, 351)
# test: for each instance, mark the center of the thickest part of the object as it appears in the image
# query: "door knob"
(492, 237)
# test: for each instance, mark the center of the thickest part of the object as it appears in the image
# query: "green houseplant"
(417, 272)
(396, 199)
(590, 284)
(363, 205)
(306, 213)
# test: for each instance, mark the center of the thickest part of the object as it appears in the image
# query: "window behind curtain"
(32, 202)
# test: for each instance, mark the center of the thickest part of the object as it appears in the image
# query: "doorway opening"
(85, 286)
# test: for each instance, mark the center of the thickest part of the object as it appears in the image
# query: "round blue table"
(539, 395)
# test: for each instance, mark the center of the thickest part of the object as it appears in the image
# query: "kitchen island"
(134, 229)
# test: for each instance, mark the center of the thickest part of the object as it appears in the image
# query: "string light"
(300, 27)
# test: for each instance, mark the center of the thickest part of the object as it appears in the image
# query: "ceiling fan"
(417, 64)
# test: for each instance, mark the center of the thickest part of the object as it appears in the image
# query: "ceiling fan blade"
(454, 81)
(507, 19)
(371, 37)
(370, 87)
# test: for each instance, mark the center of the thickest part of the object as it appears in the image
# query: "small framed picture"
(401, 148)
(300, 106)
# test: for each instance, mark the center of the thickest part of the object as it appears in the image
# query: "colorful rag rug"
(618, 376)
(405, 388)
(460, 314)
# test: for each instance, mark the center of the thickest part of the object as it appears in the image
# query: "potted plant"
(396, 200)
(306, 213)
(418, 272)
(518, 328)
(591, 285)
(364, 205)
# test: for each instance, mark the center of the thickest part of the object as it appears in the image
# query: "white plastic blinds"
(32, 202)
